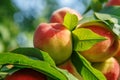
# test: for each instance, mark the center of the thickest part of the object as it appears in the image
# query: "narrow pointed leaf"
(85, 69)
(35, 53)
(83, 39)
(41, 66)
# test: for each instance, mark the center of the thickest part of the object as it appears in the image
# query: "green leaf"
(113, 10)
(68, 75)
(2, 75)
(103, 16)
(83, 39)
(112, 18)
(86, 19)
(70, 21)
(41, 66)
(85, 69)
(35, 53)
(103, 1)
(4, 33)
(96, 5)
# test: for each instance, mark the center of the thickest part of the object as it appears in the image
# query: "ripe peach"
(55, 39)
(110, 68)
(58, 15)
(113, 3)
(26, 74)
(103, 49)
(70, 68)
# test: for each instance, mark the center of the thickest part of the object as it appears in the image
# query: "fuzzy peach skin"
(110, 68)
(58, 15)
(55, 39)
(70, 68)
(103, 49)
(26, 74)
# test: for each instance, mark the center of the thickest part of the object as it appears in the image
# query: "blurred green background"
(19, 19)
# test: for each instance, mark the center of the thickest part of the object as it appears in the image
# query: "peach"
(110, 68)
(55, 39)
(117, 55)
(103, 49)
(71, 69)
(26, 74)
(113, 3)
(58, 15)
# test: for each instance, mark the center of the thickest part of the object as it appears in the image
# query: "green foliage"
(34, 53)
(113, 10)
(83, 39)
(85, 69)
(8, 37)
(6, 10)
(70, 21)
(112, 21)
(35, 59)
(86, 19)
(18, 59)
(10, 29)
(96, 5)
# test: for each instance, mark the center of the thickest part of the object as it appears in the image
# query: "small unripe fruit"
(26, 74)
(110, 68)
(58, 15)
(104, 49)
(55, 39)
